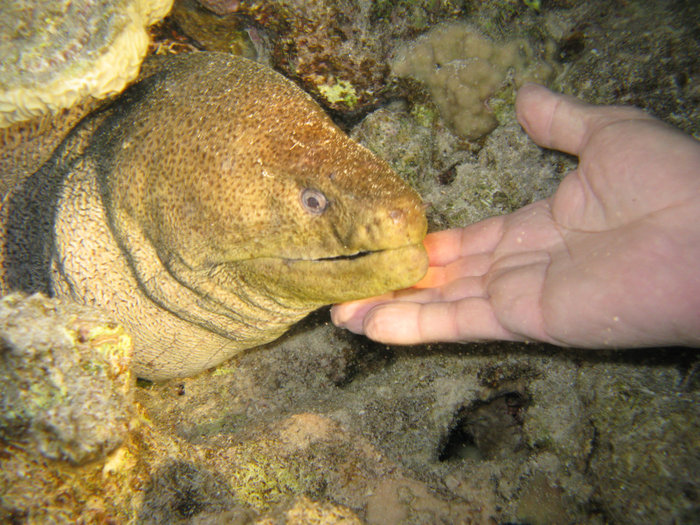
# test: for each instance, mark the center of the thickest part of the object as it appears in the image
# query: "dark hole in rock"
(571, 47)
(460, 444)
(448, 176)
(487, 430)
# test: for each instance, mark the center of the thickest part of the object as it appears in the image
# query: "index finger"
(406, 323)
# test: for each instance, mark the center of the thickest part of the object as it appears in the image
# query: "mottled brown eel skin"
(209, 207)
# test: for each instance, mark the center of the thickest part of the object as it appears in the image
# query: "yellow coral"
(342, 91)
(64, 69)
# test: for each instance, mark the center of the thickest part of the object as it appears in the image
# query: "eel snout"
(403, 224)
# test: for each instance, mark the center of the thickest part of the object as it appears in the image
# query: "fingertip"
(337, 315)
(347, 316)
(551, 119)
(529, 104)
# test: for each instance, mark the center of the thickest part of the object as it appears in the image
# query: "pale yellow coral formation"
(55, 54)
(462, 69)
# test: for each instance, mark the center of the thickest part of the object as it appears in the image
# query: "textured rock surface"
(58, 61)
(527, 434)
(462, 182)
(641, 54)
(337, 50)
(66, 388)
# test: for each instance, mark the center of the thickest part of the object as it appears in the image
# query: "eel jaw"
(328, 280)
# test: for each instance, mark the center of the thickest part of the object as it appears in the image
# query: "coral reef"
(212, 32)
(521, 433)
(323, 45)
(67, 414)
(55, 54)
(462, 70)
(462, 183)
(58, 62)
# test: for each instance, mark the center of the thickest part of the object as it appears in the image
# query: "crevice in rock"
(486, 430)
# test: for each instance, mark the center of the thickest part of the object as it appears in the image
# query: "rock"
(66, 387)
(55, 54)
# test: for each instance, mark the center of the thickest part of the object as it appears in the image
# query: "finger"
(410, 323)
(551, 119)
(350, 315)
(562, 122)
(447, 246)
(468, 266)
(452, 291)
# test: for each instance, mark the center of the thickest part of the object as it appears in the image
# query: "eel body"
(209, 207)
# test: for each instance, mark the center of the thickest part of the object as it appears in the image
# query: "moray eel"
(210, 207)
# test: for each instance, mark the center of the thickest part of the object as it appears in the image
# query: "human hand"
(611, 259)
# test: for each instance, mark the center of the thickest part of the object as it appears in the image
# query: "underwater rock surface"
(66, 388)
(478, 431)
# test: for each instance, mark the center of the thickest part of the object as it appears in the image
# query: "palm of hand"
(607, 260)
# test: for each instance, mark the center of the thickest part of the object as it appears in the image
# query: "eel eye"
(314, 201)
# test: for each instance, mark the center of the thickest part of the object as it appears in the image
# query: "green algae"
(262, 478)
(341, 91)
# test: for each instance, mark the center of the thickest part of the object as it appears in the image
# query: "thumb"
(563, 122)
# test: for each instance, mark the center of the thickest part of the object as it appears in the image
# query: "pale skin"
(612, 259)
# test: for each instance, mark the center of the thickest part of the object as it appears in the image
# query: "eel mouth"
(350, 257)
(332, 258)
(341, 278)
